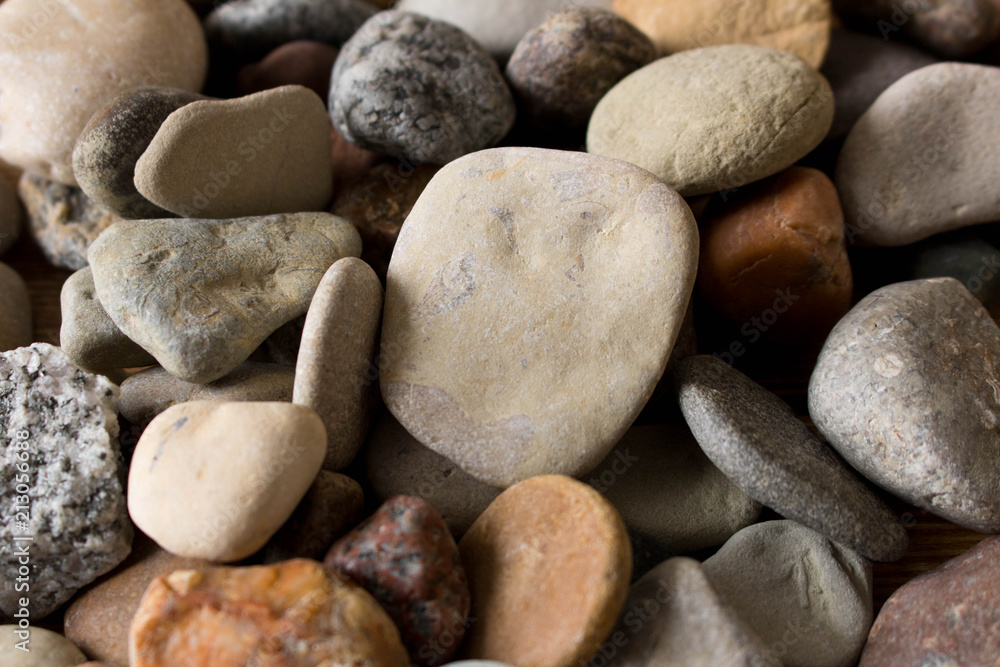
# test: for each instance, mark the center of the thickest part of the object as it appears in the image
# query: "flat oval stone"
(798, 590)
(270, 153)
(15, 310)
(904, 391)
(11, 216)
(674, 117)
(43, 648)
(419, 89)
(300, 63)
(202, 295)
(489, 299)
(216, 480)
(576, 550)
(920, 160)
(57, 60)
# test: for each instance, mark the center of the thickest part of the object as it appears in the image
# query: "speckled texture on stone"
(923, 158)
(201, 295)
(60, 429)
(113, 141)
(755, 438)
(405, 557)
(44, 648)
(481, 339)
(796, 588)
(906, 390)
(15, 310)
(676, 117)
(11, 216)
(63, 220)
(415, 88)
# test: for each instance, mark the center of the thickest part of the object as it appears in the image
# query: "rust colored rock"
(945, 617)
(349, 161)
(302, 62)
(405, 556)
(293, 614)
(549, 564)
(774, 259)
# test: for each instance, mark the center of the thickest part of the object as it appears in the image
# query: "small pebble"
(15, 310)
(301, 63)
(40, 648)
(11, 216)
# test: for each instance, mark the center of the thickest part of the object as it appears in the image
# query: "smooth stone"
(674, 617)
(476, 326)
(301, 63)
(418, 89)
(98, 619)
(60, 426)
(336, 374)
(406, 558)
(803, 28)
(260, 26)
(667, 489)
(674, 117)
(216, 480)
(15, 310)
(43, 648)
(201, 295)
(57, 64)
(947, 616)
(398, 464)
(11, 216)
(561, 69)
(257, 155)
(921, 160)
(859, 68)
(548, 534)
(972, 262)
(88, 335)
(147, 393)
(784, 579)
(778, 246)
(290, 613)
(62, 220)
(331, 507)
(113, 141)
(904, 390)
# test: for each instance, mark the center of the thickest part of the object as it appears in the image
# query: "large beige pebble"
(40, 648)
(216, 480)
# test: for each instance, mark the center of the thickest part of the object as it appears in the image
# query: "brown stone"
(349, 160)
(293, 614)
(15, 310)
(549, 563)
(302, 63)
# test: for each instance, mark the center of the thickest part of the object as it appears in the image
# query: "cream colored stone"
(44, 649)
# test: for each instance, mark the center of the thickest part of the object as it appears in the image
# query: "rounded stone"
(43, 648)
(15, 310)
(554, 534)
(675, 118)
(57, 60)
(216, 480)
(415, 88)
(301, 63)
(488, 308)
(11, 216)
(561, 69)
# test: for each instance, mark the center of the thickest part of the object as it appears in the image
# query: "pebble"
(904, 391)
(301, 63)
(336, 374)
(216, 480)
(398, 464)
(919, 161)
(774, 256)
(350, 163)
(674, 117)
(201, 295)
(41, 648)
(799, 26)
(57, 64)
(63, 221)
(60, 427)
(294, 613)
(152, 391)
(973, 262)
(406, 558)
(11, 215)
(561, 69)
(808, 599)
(474, 380)
(548, 534)
(331, 507)
(88, 335)
(15, 310)
(667, 489)
(947, 616)
(113, 141)
(265, 153)
(439, 94)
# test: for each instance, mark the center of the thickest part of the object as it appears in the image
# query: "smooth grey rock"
(60, 434)
(907, 389)
(15, 310)
(11, 216)
(418, 89)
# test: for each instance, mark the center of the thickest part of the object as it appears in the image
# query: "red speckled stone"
(405, 556)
